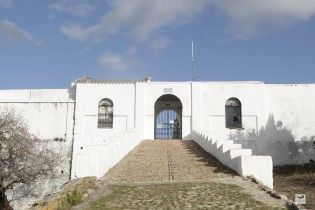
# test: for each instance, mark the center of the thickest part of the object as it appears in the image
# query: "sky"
(48, 44)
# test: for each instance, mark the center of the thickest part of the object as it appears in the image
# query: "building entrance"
(168, 117)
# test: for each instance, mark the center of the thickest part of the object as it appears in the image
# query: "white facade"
(50, 116)
(277, 120)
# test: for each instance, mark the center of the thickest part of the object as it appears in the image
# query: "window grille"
(233, 113)
(105, 113)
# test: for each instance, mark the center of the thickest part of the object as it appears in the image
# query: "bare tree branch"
(24, 159)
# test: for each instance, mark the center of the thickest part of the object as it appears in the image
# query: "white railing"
(233, 156)
(98, 159)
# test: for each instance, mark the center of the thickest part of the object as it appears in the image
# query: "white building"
(95, 123)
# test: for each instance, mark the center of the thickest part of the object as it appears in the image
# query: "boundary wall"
(98, 159)
(240, 160)
(49, 114)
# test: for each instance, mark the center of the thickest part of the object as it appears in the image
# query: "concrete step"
(226, 146)
(236, 152)
(219, 143)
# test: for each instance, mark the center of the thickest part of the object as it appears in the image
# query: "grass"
(74, 198)
(71, 195)
(177, 196)
(296, 179)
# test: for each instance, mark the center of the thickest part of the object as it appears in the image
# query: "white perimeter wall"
(294, 106)
(49, 115)
(289, 130)
(274, 117)
(214, 97)
(91, 141)
(88, 97)
(278, 120)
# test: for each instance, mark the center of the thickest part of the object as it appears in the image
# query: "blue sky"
(48, 44)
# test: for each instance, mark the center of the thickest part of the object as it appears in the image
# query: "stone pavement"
(181, 163)
(168, 161)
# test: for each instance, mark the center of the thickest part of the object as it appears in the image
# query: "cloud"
(10, 31)
(140, 18)
(248, 18)
(76, 9)
(131, 51)
(117, 61)
(6, 3)
(158, 45)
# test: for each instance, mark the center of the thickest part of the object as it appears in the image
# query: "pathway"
(168, 161)
(173, 168)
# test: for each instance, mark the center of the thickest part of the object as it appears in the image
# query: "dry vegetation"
(71, 194)
(24, 159)
(177, 196)
(296, 179)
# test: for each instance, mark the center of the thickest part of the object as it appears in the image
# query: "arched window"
(105, 113)
(233, 113)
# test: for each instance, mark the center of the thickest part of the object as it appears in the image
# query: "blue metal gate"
(168, 125)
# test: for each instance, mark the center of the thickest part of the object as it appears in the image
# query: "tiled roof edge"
(89, 80)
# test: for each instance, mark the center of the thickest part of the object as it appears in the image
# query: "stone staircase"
(235, 157)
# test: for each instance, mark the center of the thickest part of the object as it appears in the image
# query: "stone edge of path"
(273, 193)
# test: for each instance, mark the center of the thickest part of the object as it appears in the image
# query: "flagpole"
(192, 62)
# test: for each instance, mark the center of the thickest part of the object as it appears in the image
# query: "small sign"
(300, 199)
(168, 90)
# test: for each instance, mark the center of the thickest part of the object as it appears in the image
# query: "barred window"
(233, 113)
(105, 113)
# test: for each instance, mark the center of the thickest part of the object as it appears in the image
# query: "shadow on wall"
(277, 140)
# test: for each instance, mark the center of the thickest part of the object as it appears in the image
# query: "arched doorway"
(168, 117)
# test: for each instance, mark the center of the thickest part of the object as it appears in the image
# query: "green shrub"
(74, 198)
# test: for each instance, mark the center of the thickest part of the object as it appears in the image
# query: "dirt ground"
(182, 172)
(291, 180)
(177, 196)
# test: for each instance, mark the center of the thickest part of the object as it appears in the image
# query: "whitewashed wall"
(215, 95)
(294, 106)
(204, 109)
(133, 110)
(88, 97)
(289, 129)
(278, 120)
(49, 115)
(89, 140)
(98, 158)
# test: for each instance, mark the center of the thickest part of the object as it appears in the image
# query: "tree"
(311, 160)
(24, 159)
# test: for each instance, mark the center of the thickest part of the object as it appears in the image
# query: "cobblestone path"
(170, 174)
(167, 161)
